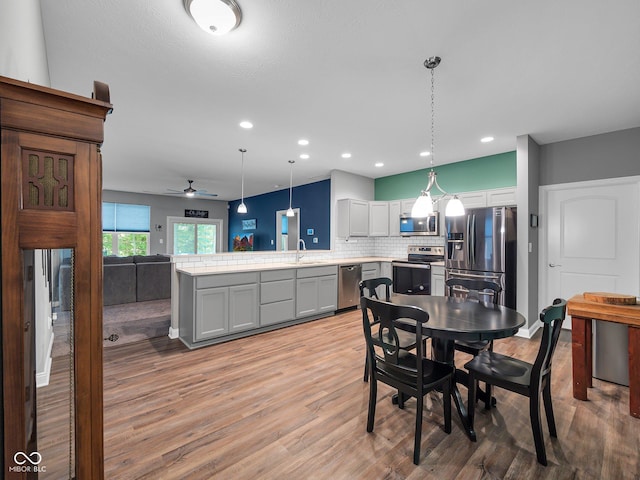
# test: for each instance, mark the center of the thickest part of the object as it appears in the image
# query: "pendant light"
(290, 212)
(424, 203)
(242, 208)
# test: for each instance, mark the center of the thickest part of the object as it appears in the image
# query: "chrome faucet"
(304, 247)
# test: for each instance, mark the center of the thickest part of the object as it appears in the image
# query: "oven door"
(412, 278)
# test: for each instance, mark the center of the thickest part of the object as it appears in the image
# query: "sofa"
(137, 278)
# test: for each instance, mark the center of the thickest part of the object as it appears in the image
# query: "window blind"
(124, 217)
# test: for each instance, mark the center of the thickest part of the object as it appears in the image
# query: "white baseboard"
(529, 332)
(42, 378)
(174, 333)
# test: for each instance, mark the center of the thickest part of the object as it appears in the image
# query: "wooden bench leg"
(634, 371)
(581, 355)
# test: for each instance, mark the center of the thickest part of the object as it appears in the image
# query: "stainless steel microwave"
(429, 225)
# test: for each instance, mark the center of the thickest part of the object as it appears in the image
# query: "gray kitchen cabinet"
(437, 280)
(216, 305)
(395, 209)
(277, 296)
(370, 270)
(378, 219)
(316, 291)
(353, 218)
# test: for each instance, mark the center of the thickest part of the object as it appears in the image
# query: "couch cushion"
(114, 260)
(153, 281)
(151, 258)
(119, 284)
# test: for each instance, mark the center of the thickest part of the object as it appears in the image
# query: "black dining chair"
(524, 378)
(370, 288)
(475, 290)
(411, 374)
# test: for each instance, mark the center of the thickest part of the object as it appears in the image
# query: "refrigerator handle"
(467, 243)
(472, 240)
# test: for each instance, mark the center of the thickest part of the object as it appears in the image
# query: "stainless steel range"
(413, 275)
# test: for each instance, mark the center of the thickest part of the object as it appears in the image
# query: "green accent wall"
(494, 171)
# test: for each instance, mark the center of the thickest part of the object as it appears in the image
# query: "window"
(192, 236)
(125, 229)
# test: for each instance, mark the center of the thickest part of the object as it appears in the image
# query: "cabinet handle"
(554, 265)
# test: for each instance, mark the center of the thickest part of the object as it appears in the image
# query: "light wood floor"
(291, 404)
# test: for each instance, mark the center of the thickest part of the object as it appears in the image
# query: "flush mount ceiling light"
(290, 212)
(242, 208)
(424, 203)
(216, 17)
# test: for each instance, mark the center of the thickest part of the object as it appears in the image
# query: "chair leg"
(548, 409)
(418, 435)
(536, 427)
(471, 400)
(446, 400)
(373, 393)
(366, 368)
(488, 402)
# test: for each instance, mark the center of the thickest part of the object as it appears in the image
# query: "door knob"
(554, 265)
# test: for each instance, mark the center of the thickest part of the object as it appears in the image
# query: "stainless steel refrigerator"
(482, 245)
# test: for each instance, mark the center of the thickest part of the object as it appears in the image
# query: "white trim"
(174, 333)
(42, 378)
(529, 332)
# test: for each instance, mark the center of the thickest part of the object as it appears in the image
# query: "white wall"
(23, 54)
(44, 326)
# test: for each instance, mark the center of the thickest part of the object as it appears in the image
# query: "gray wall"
(163, 206)
(609, 155)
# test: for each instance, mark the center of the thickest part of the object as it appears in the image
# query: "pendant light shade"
(290, 212)
(424, 204)
(455, 208)
(242, 208)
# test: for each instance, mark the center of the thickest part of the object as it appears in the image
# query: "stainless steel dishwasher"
(348, 291)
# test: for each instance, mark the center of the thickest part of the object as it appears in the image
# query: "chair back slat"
(473, 289)
(368, 288)
(551, 318)
(383, 347)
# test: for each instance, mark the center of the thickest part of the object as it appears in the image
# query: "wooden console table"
(582, 313)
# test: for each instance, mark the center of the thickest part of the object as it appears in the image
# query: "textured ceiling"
(348, 76)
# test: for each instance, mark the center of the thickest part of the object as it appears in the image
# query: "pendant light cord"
(242, 152)
(291, 162)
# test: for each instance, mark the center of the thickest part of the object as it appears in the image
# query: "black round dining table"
(453, 318)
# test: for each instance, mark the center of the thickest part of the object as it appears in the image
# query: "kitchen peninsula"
(224, 302)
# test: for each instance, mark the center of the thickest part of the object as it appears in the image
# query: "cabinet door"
(378, 219)
(359, 218)
(407, 205)
(473, 199)
(503, 197)
(395, 209)
(437, 285)
(306, 296)
(212, 313)
(243, 307)
(327, 293)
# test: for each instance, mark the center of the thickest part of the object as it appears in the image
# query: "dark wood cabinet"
(50, 189)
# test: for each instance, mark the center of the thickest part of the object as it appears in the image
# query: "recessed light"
(246, 124)
(277, 186)
(303, 142)
(379, 164)
(425, 154)
(346, 155)
(486, 139)
(304, 156)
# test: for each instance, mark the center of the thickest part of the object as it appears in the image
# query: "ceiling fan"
(192, 192)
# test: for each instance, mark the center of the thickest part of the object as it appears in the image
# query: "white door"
(591, 243)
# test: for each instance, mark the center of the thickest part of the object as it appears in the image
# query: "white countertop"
(259, 267)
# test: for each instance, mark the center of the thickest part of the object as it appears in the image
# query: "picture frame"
(249, 224)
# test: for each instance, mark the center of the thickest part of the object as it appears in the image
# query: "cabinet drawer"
(317, 271)
(226, 279)
(276, 291)
(272, 275)
(276, 312)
